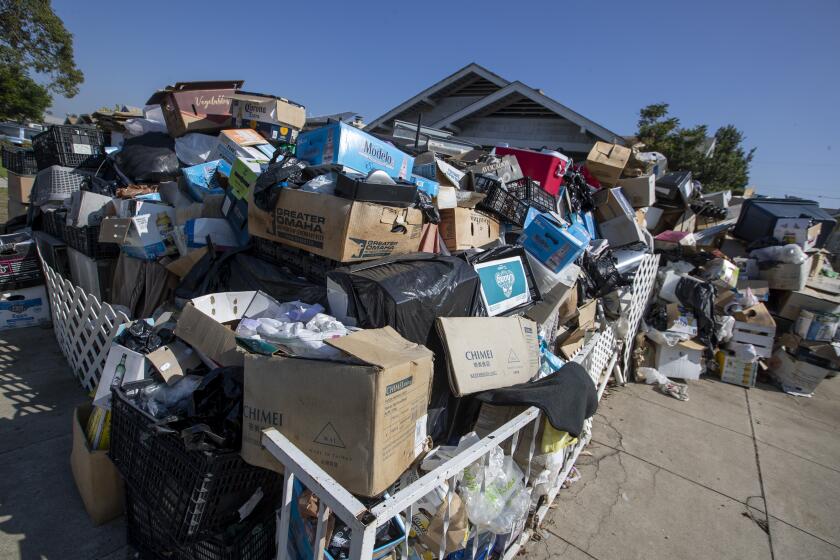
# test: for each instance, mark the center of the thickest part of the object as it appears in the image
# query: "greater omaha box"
(364, 423)
(336, 228)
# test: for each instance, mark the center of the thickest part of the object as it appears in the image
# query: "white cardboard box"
(755, 326)
(681, 361)
(24, 308)
(639, 191)
(796, 375)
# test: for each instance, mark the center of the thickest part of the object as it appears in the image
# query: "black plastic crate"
(54, 224)
(312, 267)
(196, 493)
(85, 239)
(532, 194)
(252, 539)
(504, 204)
(70, 146)
(20, 266)
(20, 161)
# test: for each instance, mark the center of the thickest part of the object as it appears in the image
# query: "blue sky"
(769, 67)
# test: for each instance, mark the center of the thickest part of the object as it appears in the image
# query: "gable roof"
(519, 89)
(471, 72)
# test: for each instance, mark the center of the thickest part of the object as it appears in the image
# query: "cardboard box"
(797, 231)
(504, 283)
(681, 320)
(682, 361)
(796, 375)
(364, 423)
(639, 191)
(181, 266)
(147, 234)
(134, 368)
(428, 186)
(786, 276)
(97, 479)
(276, 118)
(207, 324)
(196, 106)
(553, 244)
(243, 175)
(606, 162)
(488, 352)
(755, 326)
(735, 371)
(346, 145)
(83, 204)
(27, 307)
(611, 204)
(241, 143)
(508, 168)
(587, 314)
(173, 361)
(218, 230)
(336, 228)
(819, 294)
(465, 228)
(208, 178)
(621, 231)
(16, 209)
(446, 198)
(722, 273)
(20, 187)
(669, 240)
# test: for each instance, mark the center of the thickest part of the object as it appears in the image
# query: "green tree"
(34, 43)
(726, 168)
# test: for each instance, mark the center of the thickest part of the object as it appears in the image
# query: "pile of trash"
(384, 310)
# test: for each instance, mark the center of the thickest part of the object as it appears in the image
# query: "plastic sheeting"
(148, 158)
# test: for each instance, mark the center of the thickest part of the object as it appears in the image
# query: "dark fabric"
(141, 286)
(567, 397)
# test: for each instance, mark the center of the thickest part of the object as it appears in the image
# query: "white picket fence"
(600, 357)
(83, 325)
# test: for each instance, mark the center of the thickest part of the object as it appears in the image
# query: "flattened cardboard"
(336, 228)
(488, 352)
(466, 228)
(611, 204)
(205, 321)
(181, 267)
(97, 479)
(363, 423)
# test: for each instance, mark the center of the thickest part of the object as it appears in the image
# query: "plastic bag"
(600, 274)
(139, 127)
(503, 502)
(665, 385)
(215, 411)
(790, 254)
(148, 158)
(164, 400)
(324, 184)
(726, 324)
(277, 175)
(194, 148)
(699, 297)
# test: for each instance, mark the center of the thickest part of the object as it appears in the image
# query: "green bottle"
(119, 372)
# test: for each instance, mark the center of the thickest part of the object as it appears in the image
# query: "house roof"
(497, 96)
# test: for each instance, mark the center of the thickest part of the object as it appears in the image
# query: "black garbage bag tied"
(149, 158)
(699, 297)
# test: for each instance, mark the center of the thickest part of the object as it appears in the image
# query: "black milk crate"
(54, 223)
(69, 146)
(85, 239)
(252, 539)
(532, 193)
(20, 161)
(312, 267)
(504, 204)
(195, 493)
(20, 266)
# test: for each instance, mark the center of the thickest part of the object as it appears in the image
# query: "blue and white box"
(428, 186)
(347, 145)
(24, 308)
(504, 284)
(553, 244)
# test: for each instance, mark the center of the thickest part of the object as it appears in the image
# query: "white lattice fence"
(83, 326)
(643, 283)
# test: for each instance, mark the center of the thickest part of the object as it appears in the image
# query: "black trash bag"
(149, 158)
(278, 175)
(578, 192)
(236, 271)
(699, 297)
(214, 413)
(142, 338)
(657, 316)
(98, 185)
(601, 275)
(426, 205)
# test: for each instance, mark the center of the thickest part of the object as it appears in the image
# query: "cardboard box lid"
(380, 347)
(489, 352)
(160, 94)
(286, 111)
(609, 154)
(243, 136)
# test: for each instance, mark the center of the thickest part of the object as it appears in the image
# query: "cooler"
(548, 169)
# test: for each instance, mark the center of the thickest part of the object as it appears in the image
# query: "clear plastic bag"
(504, 500)
(194, 148)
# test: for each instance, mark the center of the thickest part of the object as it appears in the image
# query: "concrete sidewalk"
(665, 480)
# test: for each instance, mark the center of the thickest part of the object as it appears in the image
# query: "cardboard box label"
(504, 285)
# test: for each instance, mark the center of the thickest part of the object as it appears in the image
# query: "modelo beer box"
(276, 118)
(196, 106)
(346, 145)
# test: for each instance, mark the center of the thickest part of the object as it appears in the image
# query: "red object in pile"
(548, 169)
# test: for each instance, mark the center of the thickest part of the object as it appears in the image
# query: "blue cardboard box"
(428, 186)
(235, 211)
(201, 179)
(504, 285)
(553, 244)
(347, 145)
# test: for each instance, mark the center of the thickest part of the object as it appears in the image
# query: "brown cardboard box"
(97, 479)
(586, 314)
(819, 294)
(488, 352)
(20, 187)
(465, 228)
(611, 204)
(607, 161)
(207, 324)
(180, 267)
(196, 106)
(363, 423)
(16, 209)
(337, 228)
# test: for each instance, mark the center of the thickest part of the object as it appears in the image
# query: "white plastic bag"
(503, 502)
(139, 127)
(791, 254)
(194, 148)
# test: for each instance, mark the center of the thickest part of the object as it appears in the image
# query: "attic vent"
(478, 88)
(525, 108)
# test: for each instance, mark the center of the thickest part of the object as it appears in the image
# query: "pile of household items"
(383, 310)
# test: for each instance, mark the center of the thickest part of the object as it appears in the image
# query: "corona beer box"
(337, 228)
(347, 145)
(196, 106)
(276, 118)
(363, 421)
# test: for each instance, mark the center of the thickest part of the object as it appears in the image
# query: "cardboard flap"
(244, 136)
(115, 230)
(380, 347)
(755, 315)
(172, 361)
(691, 345)
(225, 306)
